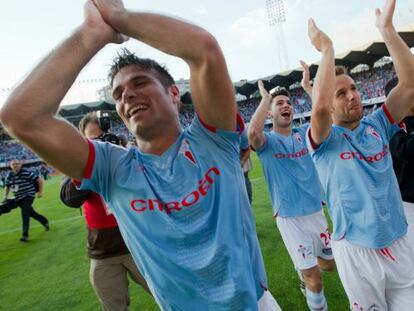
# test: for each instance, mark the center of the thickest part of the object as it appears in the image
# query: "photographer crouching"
(111, 261)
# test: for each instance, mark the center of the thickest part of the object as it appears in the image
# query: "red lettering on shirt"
(202, 189)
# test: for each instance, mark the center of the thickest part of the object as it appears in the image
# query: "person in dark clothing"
(21, 182)
(402, 151)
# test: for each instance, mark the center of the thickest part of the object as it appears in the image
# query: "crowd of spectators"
(11, 149)
(370, 83)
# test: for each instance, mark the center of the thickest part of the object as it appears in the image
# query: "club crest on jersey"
(370, 131)
(186, 152)
(298, 137)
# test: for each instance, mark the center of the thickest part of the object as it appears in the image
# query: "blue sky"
(32, 28)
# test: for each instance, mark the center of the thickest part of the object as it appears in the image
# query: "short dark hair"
(126, 58)
(390, 85)
(341, 70)
(280, 91)
(90, 117)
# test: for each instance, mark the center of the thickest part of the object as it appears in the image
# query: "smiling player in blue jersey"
(351, 153)
(179, 197)
(293, 181)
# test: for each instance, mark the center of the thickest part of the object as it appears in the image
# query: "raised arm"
(211, 88)
(29, 113)
(255, 132)
(401, 98)
(306, 85)
(323, 86)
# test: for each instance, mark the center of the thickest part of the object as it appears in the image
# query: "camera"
(104, 120)
(105, 124)
(109, 137)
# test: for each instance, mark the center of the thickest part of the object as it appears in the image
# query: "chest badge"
(186, 152)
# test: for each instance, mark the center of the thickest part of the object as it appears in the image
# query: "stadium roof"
(367, 54)
(81, 109)
(76, 110)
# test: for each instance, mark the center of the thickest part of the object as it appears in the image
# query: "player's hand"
(39, 195)
(108, 7)
(265, 94)
(319, 39)
(306, 78)
(384, 18)
(96, 24)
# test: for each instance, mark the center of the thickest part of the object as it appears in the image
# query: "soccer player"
(351, 153)
(293, 181)
(21, 182)
(178, 197)
(402, 151)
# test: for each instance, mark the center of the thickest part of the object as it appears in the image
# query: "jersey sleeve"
(100, 168)
(263, 148)
(318, 150)
(32, 176)
(215, 139)
(384, 122)
(244, 142)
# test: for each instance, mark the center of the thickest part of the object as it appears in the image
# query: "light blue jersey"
(355, 169)
(186, 219)
(244, 141)
(290, 174)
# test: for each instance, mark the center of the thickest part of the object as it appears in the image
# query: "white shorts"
(306, 238)
(377, 279)
(409, 213)
(267, 302)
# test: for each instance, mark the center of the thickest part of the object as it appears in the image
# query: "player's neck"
(349, 125)
(285, 131)
(159, 144)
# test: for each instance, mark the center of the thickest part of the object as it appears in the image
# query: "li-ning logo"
(204, 185)
(298, 154)
(350, 155)
(185, 150)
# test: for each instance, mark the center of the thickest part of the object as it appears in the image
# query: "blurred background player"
(294, 184)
